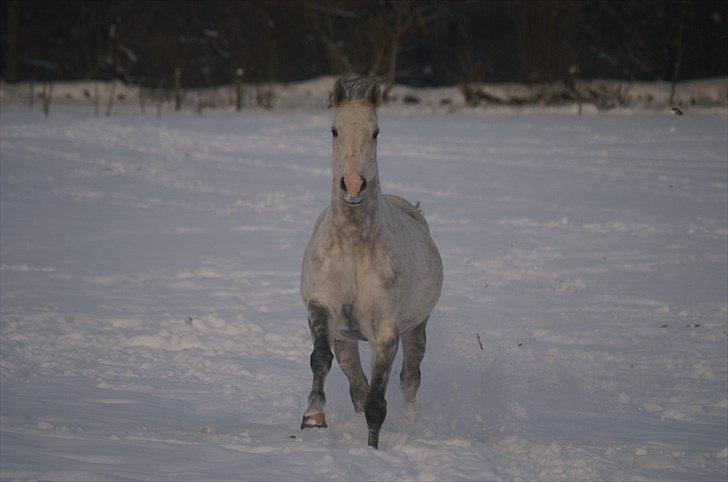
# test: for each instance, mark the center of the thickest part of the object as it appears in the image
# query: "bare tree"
(12, 50)
(96, 98)
(322, 19)
(679, 51)
(405, 12)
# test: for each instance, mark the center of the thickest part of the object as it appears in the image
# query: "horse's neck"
(362, 222)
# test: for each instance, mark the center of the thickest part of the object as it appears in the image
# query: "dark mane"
(355, 87)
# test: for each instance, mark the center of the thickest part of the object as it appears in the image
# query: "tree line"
(164, 44)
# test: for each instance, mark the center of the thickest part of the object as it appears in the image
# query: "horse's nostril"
(343, 187)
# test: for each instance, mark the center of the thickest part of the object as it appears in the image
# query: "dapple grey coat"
(371, 270)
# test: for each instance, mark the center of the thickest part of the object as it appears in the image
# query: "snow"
(151, 326)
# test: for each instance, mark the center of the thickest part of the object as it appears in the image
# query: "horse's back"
(408, 208)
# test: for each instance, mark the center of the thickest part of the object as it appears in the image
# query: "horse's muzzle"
(358, 198)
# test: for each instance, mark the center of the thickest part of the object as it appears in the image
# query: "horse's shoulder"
(324, 214)
(319, 236)
(413, 211)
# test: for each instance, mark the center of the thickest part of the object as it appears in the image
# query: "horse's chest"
(369, 298)
(368, 272)
(368, 277)
(372, 282)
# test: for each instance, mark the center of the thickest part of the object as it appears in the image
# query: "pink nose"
(352, 184)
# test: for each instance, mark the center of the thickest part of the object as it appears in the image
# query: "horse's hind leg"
(413, 348)
(321, 357)
(347, 355)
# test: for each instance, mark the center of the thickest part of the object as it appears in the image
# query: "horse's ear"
(338, 95)
(373, 94)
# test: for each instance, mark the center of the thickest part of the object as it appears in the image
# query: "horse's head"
(354, 132)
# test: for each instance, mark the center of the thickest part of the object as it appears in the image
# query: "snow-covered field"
(152, 326)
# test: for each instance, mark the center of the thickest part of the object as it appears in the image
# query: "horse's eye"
(334, 132)
(376, 133)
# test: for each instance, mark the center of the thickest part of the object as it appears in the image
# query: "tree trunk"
(394, 47)
(239, 89)
(12, 48)
(112, 94)
(47, 96)
(96, 98)
(338, 59)
(142, 99)
(160, 97)
(177, 89)
(678, 55)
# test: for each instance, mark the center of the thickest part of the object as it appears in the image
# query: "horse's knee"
(317, 312)
(321, 358)
(410, 373)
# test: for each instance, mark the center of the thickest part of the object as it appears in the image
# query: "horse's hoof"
(373, 438)
(313, 420)
(409, 411)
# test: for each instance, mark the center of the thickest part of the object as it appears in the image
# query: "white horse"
(371, 271)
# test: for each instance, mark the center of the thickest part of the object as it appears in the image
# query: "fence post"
(31, 87)
(112, 94)
(142, 99)
(47, 95)
(177, 89)
(159, 99)
(239, 88)
(96, 98)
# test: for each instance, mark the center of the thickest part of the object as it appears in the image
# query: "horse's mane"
(355, 87)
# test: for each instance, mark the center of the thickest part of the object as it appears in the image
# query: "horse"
(371, 271)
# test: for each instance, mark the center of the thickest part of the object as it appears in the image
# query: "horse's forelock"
(350, 88)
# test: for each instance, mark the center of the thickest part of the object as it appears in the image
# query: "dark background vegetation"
(417, 43)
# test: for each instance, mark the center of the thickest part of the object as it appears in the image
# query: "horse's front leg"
(347, 355)
(321, 357)
(384, 348)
